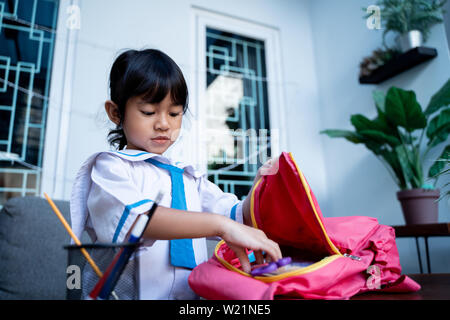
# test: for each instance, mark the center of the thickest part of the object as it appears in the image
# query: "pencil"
(74, 237)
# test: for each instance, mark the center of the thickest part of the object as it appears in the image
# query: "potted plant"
(411, 20)
(396, 137)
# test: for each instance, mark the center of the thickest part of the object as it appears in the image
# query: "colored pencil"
(74, 237)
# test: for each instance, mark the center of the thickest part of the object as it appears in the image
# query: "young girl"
(148, 100)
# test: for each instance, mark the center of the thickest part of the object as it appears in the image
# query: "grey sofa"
(33, 260)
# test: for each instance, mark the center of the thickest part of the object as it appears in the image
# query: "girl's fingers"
(243, 258)
(273, 250)
(258, 257)
(240, 237)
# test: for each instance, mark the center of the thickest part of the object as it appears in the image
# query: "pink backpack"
(333, 258)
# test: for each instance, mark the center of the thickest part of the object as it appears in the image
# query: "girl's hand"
(240, 237)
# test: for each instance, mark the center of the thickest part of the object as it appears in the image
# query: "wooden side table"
(425, 231)
(434, 287)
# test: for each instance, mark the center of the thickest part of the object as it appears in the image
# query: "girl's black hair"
(148, 73)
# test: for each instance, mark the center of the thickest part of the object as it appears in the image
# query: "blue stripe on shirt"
(233, 212)
(125, 215)
(132, 155)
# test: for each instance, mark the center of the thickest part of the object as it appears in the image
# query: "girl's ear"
(113, 112)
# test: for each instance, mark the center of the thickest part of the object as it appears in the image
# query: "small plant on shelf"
(378, 58)
(403, 16)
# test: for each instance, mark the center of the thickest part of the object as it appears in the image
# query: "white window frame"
(54, 162)
(201, 19)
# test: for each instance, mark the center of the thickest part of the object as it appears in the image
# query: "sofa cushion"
(32, 258)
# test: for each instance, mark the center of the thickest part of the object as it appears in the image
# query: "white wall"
(358, 183)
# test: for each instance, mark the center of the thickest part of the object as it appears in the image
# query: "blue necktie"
(181, 250)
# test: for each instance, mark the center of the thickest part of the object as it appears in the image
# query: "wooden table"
(425, 231)
(434, 287)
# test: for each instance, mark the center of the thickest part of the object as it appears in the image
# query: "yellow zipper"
(305, 185)
(252, 204)
(300, 271)
(277, 277)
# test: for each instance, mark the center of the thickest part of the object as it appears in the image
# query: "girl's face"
(152, 127)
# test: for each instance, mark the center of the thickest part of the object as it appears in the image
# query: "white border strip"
(58, 116)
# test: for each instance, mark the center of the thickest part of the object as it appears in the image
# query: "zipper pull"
(352, 257)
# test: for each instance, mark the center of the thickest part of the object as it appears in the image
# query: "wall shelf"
(399, 64)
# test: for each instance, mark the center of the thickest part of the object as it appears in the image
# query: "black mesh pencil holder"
(81, 277)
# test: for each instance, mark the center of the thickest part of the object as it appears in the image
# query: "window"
(236, 79)
(236, 115)
(27, 37)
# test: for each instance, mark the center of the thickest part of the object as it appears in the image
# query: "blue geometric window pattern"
(27, 39)
(237, 111)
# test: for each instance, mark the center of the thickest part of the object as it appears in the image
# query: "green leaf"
(373, 146)
(380, 123)
(360, 122)
(384, 125)
(440, 173)
(439, 128)
(407, 138)
(380, 137)
(438, 138)
(403, 157)
(349, 135)
(391, 158)
(439, 99)
(440, 163)
(402, 109)
(447, 194)
(379, 98)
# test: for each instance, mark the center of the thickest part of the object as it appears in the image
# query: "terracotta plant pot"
(419, 206)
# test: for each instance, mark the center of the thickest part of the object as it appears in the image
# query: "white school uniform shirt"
(112, 188)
